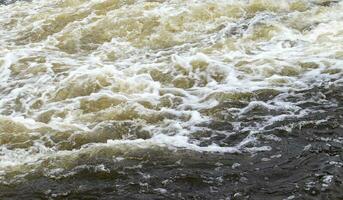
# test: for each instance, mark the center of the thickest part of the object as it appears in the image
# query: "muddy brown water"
(125, 99)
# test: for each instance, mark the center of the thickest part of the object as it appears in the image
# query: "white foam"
(181, 39)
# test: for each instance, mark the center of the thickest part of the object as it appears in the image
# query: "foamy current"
(82, 80)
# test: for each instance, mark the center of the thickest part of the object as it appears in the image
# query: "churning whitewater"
(176, 99)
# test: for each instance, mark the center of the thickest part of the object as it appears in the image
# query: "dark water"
(298, 167)
(6, 2)
(185, 175)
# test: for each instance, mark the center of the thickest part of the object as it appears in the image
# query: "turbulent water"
(171, 99)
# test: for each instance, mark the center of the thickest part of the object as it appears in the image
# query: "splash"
(79, 77)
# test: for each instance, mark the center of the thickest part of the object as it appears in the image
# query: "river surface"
(171, 99)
